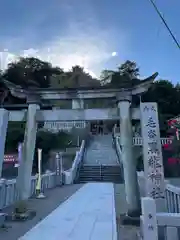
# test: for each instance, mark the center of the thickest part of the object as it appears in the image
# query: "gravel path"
(124, 232)
(43, 207)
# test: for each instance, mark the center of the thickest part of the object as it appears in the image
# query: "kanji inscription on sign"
(152, 152)
(151, 123)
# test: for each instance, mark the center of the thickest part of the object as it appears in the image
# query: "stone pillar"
(129, 162)
(25, 171)
(152, 155)
(77, 103)
(3, 129)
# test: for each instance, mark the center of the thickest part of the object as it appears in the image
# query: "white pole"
(78, 142)
(61, 164)
(39, 161)
(38, 187)
(57, 163)
(177, 133)
(19, 154)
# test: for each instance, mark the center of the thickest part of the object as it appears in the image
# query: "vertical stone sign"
(152, 151)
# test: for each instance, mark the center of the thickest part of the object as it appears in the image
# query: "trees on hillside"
(74, 78)
(33, 72)
(168, 98)
(29, 72)
(163, 92)
(125, 76)
(130, 68)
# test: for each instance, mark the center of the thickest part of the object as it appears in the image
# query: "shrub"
(45, 140)
(15, 134)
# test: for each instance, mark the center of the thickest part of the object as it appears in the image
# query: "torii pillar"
(4, 116)
(129, 164)
(25, 168)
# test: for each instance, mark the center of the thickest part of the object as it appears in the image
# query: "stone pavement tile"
(43, 207)
(102, 230)
(129, 233)
(86, 215)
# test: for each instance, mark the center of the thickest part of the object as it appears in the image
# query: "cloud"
(87, 51)
(82, 43)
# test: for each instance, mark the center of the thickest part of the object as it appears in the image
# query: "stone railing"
(118, 149)
(151, 222)
(71, 174)
(138, 141)
(8, 191)
(172, 198)
(172, 194)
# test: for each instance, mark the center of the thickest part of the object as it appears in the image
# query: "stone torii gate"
(124, 112)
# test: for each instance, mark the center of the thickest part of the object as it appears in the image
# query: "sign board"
(152, 151)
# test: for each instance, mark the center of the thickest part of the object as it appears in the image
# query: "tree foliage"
(45, 140)
(28, 72)
(162, 91)
(130, 68)
(125, 76)
(75, 78)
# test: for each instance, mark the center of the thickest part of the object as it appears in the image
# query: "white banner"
(152, 151)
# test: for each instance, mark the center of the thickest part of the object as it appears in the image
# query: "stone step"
(99, 175)
(101, 150)
(100, 180)
(100, 169)
(112, 178)
(103, 173)
(104, 168)
(106, 171)
(99, 172)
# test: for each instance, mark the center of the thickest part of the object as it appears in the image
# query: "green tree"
(168, 98)
(125, 76)
(105, 77)
(74, 78)
(130, 68)
(30, 72)
(15, 135)
(45, 140)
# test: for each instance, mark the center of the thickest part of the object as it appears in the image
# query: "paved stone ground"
(124, 232)
(56, 196)
(43, 207)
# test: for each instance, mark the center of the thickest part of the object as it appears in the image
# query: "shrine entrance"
(97, 127)
(100, 118)
(101, 127)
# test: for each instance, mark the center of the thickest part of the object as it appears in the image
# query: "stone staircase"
(100, 163)
(100, 173)
(101, 151)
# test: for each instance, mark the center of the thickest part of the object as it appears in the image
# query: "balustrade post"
(77, 103)
(149, 220)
